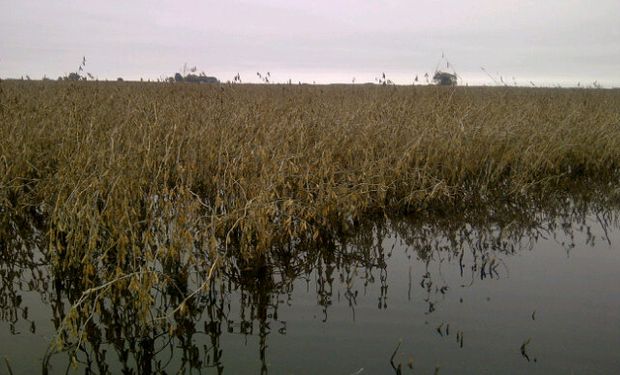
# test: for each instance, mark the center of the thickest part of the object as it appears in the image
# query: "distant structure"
(444, 78)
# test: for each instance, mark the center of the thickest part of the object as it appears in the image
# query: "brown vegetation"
(134, 183)
(262, 165)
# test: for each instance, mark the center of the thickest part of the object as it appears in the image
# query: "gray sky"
(545, 41)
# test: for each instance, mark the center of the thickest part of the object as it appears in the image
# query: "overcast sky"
(545, 41)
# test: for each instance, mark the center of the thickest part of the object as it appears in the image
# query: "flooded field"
(511, 290)
(172, 228)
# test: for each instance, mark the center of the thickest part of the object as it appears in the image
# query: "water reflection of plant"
(168, 333)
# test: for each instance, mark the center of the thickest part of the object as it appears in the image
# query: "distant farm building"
(445, 79)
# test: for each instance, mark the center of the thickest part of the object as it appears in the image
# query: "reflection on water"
(515, 288)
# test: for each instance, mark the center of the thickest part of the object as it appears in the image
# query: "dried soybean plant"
(145, 187)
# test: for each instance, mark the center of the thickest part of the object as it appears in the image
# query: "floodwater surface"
(537, 293)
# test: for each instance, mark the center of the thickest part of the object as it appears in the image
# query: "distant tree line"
(79, 75)
(194, 78)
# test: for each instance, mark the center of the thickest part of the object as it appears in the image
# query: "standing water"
(512, 290)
